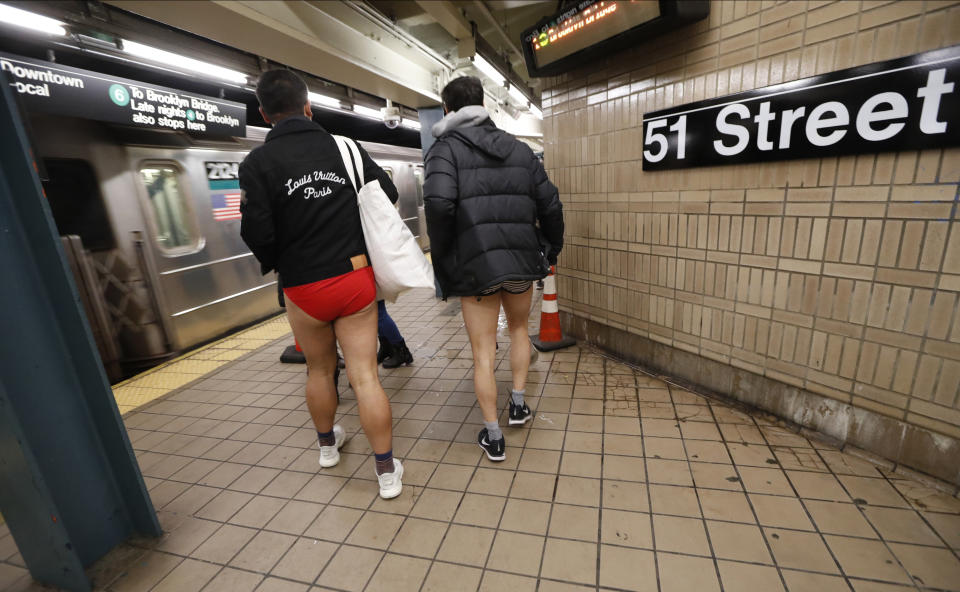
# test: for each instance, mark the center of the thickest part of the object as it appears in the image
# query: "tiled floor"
(622, 482)
(160, 380)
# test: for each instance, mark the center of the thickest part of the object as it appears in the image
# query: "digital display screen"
(591, 29)
(587, 24)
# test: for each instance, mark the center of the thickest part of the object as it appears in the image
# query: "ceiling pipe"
(371, 14)
(485, 11)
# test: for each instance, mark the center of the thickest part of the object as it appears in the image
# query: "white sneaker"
(390, 485)
(330, 455)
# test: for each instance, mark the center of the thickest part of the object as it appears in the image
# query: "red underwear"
(336, 297)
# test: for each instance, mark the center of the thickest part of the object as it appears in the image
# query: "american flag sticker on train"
(226, 206)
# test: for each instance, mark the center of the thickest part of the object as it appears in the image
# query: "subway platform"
(622, 482)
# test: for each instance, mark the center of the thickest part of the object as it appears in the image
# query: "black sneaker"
(496, 451)
(519, 414)
(399, 355)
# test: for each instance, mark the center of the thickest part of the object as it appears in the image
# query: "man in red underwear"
(300, 218)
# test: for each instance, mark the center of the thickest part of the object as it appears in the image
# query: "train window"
(418, 177)
(74, 197)
(176, 231)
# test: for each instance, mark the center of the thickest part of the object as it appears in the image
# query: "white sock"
(493, 431)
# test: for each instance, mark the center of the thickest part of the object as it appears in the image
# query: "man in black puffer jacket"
(485, 194)
(480, 233)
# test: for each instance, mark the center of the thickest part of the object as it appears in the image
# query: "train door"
(209, 281)
(72, 191)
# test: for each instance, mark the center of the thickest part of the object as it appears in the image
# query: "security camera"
(391, 117)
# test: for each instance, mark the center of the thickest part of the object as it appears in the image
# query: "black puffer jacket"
(484, 193)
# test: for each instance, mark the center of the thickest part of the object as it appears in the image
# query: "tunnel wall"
(824, 290)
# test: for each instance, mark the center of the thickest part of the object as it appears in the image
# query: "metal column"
(70, 487)
(428, 116)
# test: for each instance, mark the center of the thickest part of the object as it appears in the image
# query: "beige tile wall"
(839, 275)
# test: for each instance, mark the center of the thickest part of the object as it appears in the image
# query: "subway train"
(150, 224)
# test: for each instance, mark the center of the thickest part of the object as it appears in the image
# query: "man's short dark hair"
(463, 91)
(281, 92)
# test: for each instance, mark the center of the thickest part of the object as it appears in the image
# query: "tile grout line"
(646, 479)
(753, 510)
(866, 518)
(696, 493)
(806, 510)
(556, 482)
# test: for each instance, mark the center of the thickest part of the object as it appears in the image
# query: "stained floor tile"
(622, 482)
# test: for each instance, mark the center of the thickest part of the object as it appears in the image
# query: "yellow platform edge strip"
(139, 390)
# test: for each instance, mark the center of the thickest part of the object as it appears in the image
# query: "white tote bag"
(397, 260)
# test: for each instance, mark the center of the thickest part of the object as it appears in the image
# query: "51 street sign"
(904, 104)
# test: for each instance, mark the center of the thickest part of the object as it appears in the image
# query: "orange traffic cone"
(551, 337)
(293, 354)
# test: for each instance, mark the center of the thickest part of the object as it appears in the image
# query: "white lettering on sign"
(869, 114)
(727, 128)
(142, 106)
(54, 88)
(658, 139)
(224, 119)
(786, 125)
(762, 120)
(203, 105)
(37, 90)
(167, 98)
(143, 119)
(931, 94)
(907, 103)
(39, 75)
(818, 122)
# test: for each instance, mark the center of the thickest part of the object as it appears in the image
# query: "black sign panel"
(52, 88)
(904, 104)
(587, 30)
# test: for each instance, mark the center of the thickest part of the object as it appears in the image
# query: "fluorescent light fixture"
(178, 61)
(30, 20)
(518, 95)
(318, 99)
(411, 123)
(367, 112)
(489, 71)
(536, 112)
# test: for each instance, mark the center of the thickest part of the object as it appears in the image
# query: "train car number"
(222, 170)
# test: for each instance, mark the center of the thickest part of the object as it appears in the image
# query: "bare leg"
(516, 307)
(319, 345)
(480, 317)
(357, 334)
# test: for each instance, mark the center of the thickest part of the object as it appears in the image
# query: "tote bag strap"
(356, 159)
(347, 158)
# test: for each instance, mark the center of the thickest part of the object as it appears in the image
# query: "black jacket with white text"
(300, 214)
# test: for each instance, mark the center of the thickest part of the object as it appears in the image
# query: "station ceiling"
(354, 53)
(403, 50)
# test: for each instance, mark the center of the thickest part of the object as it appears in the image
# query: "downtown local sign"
(62, 90)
